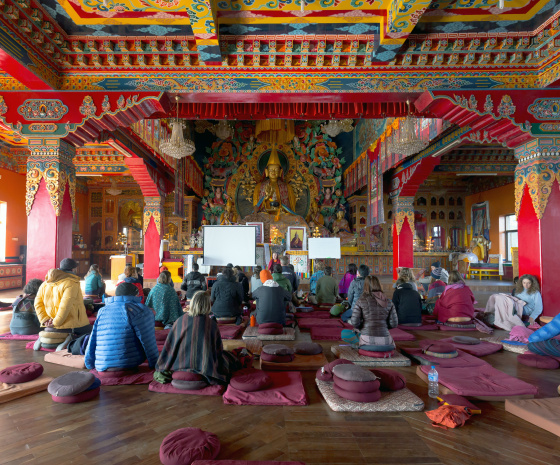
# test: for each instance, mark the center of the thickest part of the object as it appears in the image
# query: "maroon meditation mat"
(478, 350)
(161, 335)
(145, 375)
(325, 333)
(231, 331)
(485, 383)
(18, 337)
(287, 389)
(314, 314)
(244, 462)
(400, 335)
(212, 390)
(30, 345)
(425, 327)
(463, 359)
(308, 323)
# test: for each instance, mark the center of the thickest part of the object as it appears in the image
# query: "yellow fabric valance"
(275, 131)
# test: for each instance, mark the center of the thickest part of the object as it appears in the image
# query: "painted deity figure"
(328, 200)
(218, 199)
(273, 195)
(229, 216)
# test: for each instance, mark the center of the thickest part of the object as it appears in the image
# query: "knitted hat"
(229, 265)
(436, 273)
(265, 276)
(436, 264)
(126, 289)
(68, 264)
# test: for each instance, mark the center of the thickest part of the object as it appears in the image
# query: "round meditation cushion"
(54, 330)
(308, 348)
(439, 347)
(442, 355)
(276, 358)
(71, 383)
(21, 373)
(277, 349)
(466, 340)
(76, 399)
(187, 376)
(250, 380)
(356, 386)
(459, 319)
(55, 335)
(271, 325)
(270, 331)
(357, 396)
(353, 373)
(56, 342)
(325, 373)
(538, 361)
(370, 353)
(226, 320)
(189, 385)
(390, 380)
(185, 445)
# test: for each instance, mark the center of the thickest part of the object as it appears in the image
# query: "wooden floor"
(127, 424)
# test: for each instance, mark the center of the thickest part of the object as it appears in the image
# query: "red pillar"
(49, 205)
(537, 202)
(403, 234)
(152, 236)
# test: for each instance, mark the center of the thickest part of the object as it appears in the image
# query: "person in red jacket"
(273, 261)
(456, 304)
(132, 278)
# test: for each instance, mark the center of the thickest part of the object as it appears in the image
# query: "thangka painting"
(296, 238)
(375, 193)
(480, 220)
(299, 262)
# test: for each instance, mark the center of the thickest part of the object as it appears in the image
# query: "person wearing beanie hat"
(123, 334)
(227, 296)
(60, 303)
(271, 299)
(437, 286)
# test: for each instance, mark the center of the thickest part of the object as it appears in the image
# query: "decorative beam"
(204, 25)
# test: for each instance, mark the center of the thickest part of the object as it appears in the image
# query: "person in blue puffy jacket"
(123, 335)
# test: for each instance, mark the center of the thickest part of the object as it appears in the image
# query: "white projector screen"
(230, 244)
(323, 247)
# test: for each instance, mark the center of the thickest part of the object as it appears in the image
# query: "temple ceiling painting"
(213, 44)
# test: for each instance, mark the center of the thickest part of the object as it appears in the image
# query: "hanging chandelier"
(334, 127)
(406, 139)
(113, 189)
(223, 130)
(176, 146)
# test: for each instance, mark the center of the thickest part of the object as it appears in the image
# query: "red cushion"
(187, 376)
(185, 445)
(356, 386)
(250, 380)
(436, 346)
(115, 374)
(77, 398)
(357, 396)
(276, 358)
(538, 361)
(189, 385)
(277, 349)
(271, 325)
(21, 373)
(271, 331)
(390, 380)
(369, 353)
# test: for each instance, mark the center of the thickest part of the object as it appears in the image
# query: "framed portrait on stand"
(259, 231)
(297, 238)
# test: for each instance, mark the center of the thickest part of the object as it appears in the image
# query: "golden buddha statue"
(273, 195)
(316, 220)
(341, 229)
(229, 216)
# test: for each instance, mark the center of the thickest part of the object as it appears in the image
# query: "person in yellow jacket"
(59, 303)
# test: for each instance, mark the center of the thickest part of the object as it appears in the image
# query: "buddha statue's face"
(274, 172)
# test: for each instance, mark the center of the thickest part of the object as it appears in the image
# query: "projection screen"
(230, 244)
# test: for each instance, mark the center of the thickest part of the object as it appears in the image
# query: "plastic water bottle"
(433, 386)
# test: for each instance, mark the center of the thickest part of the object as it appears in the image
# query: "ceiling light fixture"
(176, 146)
(334, 127)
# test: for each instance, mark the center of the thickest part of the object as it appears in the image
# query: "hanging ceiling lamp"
(176, 146)
(223, 130)
(334, 127)
(405, 140)
(113, 189)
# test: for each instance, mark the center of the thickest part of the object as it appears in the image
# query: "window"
(437, 236)
(510, 235)
(3, 216)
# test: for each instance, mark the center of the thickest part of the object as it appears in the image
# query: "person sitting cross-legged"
(271, 300)
(327, 288)
(281, 279)
(164, 300)
(24, 319)
(123, 334)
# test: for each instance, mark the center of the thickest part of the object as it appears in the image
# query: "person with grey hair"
(164, 301)
(24, 319)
